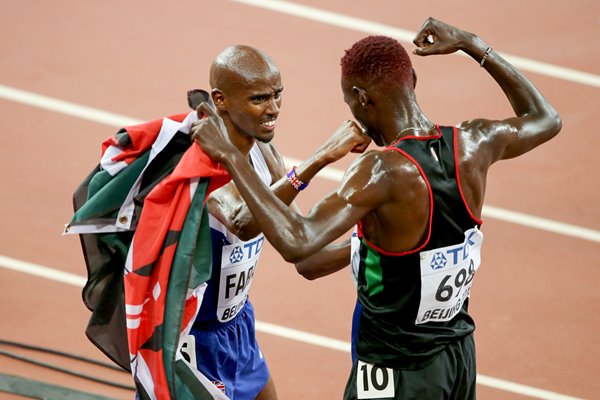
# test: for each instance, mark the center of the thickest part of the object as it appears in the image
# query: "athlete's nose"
(273, 107)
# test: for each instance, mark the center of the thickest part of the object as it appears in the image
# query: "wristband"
(485, 56)
(294, 181)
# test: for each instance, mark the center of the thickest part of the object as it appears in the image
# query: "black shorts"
(451, 376)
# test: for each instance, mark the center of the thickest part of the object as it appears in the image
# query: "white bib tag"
(238, 263)
(446, 278)
(188, 350)
(374, 382)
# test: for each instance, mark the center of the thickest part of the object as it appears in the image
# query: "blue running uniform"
(222, 343)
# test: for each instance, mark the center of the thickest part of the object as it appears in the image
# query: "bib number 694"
(461, 279)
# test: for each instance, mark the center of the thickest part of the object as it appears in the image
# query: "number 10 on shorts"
(374, 382)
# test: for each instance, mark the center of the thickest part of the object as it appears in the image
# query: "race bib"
(446, 278)
(238, 263)
(188, 350)
(374, 382)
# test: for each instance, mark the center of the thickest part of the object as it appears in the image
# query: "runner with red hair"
(380, 58)
(416, 204)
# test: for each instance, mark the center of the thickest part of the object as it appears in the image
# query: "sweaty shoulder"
(381, 177)
(480, 144)
(485, 140)
(394, 194)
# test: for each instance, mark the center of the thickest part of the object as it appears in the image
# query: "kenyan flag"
(143, 225)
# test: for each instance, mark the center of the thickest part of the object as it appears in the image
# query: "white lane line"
(524, 390)
(281, 331)
(543, 224)
(332, 174)
(375, 28)
(65, 107)
(304, 337)
(41, 271)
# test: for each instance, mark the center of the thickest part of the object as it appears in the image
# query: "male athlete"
(246, 92)
(417, 206)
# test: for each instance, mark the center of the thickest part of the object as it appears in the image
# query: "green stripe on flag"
(107, 193)
(191, 266)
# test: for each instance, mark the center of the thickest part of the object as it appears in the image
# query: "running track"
(72, 72)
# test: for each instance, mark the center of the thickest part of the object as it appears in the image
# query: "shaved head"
(240, 65)
(246, 91)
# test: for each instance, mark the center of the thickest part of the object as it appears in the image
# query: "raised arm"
(227, 205)
(535, 120)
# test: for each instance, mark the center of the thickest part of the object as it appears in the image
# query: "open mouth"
(270, 124)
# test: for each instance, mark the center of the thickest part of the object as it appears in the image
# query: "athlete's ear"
(362, 96)
(218, 99)
(414, 74)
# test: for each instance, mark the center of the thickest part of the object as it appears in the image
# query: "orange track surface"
(536, 298)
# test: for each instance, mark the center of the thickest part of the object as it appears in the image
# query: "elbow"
(557, 123)
(553, 123)
(306, 272)
(310, 276)
(292, 243)
(243, 226)
(292, 256)
(245, 232)
(293, 253)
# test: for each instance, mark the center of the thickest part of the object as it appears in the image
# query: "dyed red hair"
(377, 58)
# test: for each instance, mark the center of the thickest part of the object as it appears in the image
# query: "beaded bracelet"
(294, 181)
(485, 56)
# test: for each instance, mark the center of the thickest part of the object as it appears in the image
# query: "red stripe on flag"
(142, 137)
(165, 209)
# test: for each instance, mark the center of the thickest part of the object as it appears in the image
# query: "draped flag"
(143, 224)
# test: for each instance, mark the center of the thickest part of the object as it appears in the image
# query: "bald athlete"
(246, 91)
(417, 206)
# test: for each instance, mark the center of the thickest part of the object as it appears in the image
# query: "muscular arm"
(227, 205)
(535, 120)
(295, 237)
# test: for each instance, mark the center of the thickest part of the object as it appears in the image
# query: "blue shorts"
(228, 355)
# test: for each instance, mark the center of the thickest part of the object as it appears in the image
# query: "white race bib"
(374, 382)
(446, 278)
(238, 263)
(188, 349)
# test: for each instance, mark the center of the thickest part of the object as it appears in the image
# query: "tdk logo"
(236, 255)
(247, 251)
(454, 254)
(438, 261)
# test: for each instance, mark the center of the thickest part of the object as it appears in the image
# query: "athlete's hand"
(349, 137)
(437, 37)
(211, 134)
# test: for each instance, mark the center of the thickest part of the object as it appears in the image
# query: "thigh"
(268, 392)
(450, 376)
(465, 385)
(214, 354)
(253, 376)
